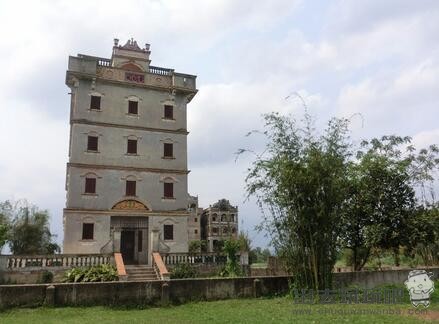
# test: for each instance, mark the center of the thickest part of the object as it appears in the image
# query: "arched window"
(130, 185)
(133, 105)
(168, 187)
(90, 180)
(223, 218)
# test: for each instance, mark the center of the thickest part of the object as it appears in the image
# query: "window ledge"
(168, 120)
(87, 240)
(131, 196)
(131, 154)
(89, 194)
(94, 109)
(168, 158)
(168, 199)
(132, 115)
(90, 151)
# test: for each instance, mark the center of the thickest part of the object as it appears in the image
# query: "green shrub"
(183, 270)
(103, 272)
(197, 246)
(231, 269)
(46, 277)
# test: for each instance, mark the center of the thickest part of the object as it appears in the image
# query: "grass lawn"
(262, 310)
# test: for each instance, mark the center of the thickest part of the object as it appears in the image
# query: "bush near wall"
(103, 272)
(183, 270)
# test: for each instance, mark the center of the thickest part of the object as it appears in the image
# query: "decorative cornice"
(90, 76)
(149, 129)
(125, 168)
(112, 212)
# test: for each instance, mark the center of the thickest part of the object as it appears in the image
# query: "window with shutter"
(132, 146)
(90, 185)
(92, 143)
(169, 112)
(87, 231)
(130, 189)
(168, 190)
(168, 150)
(133, 107)
(168, 232)
(95, 102)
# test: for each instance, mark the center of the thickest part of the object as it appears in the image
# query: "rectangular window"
(215, 230)
(168, 150)
(132, 146)
(130, 189)
(196, 231)
(169, 112)
(90, 185)
(196, 220)
(133, 107)
(139, 241)
(87, 231)
(92, 143)
(168, 190)
(95, 102)
(168, 232)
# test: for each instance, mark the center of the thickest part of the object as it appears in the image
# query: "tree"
(355, 218)
(231, 248)
(390, 170)
(5, 222)
(259, 255)
(29, 230)
(300, 184)
(424, 234)
(244, 242)
(197, 246)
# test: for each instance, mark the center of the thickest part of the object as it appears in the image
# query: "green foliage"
(103, 272)
(232, 268)
(424, 234)
(218, 246)
(259, 255)
(244, 242)
(28, 230)
(301, 186)
(5, 222)
(197, 246)
(318, 197)
(183, 270)
(46, 277)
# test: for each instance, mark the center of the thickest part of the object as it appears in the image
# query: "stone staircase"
(140, 273)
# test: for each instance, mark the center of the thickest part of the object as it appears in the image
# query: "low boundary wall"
(139, 293)
(177, 290)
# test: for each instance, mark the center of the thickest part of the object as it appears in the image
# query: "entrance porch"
(131, 238)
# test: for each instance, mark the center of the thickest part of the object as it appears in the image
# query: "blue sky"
(377, 58)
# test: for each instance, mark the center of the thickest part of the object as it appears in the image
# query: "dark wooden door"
(127, 246)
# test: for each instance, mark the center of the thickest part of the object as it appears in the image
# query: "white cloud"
(372, 57)
(403, 103)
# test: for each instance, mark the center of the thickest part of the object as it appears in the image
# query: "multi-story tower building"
(219, 222)
(127, 173)
(194, 221)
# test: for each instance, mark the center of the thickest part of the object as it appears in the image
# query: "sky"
(346, 58)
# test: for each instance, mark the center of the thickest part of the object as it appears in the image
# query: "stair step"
(141, 275)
